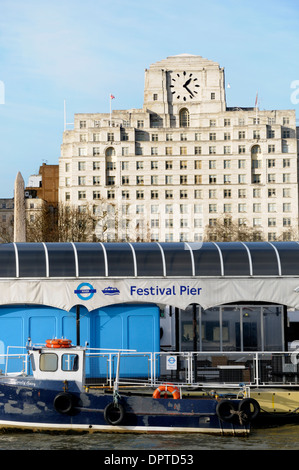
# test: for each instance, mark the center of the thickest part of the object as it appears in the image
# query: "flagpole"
(110, 110)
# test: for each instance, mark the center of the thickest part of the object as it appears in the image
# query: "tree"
(224, 229)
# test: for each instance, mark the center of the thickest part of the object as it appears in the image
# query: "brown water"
(278, 438)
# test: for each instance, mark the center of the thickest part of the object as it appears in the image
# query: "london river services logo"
(85, 291)
(111, 291)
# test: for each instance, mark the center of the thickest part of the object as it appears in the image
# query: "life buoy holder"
(167, 388)
(58, 343)
(114, 413)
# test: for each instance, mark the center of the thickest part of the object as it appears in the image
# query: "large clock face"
(184, 86)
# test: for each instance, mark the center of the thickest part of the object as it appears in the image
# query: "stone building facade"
(170, 170)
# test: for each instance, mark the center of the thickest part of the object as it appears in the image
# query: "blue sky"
(81, 51)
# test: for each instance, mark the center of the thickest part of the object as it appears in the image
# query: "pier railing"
(196, 368)
(192, 369)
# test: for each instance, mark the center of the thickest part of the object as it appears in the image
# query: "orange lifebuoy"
(58, 343)
(167, 388)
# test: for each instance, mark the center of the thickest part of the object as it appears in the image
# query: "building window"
(183, 150)
(183, 165)
(96, 195)
(81, 195)
(184, 118)
(183, 179)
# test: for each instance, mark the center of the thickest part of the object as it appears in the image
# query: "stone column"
(19, 210)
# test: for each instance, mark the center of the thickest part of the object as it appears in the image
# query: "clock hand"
(187, 83)
(189, 91)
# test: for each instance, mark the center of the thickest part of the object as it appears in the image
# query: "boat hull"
(56, 409)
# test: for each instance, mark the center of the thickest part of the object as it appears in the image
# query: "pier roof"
(74, 260)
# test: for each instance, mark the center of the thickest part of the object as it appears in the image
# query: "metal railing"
(190, 369)
(195, 369)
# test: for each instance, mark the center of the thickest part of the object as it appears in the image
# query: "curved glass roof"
(67, 260)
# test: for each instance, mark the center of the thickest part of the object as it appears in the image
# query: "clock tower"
(184, 80)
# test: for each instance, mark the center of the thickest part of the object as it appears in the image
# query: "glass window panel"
(120, 259)
(231, 328)
(289, 257)
(90, 259)
(206, 259)
(32, 260)
(264, 260)
(61, 260)
(272, 326)
(189, 329)
(70, 362)
(48, 362)
(149, 259)
(251, 328)
(235, 259)
(178, 259)
(7, 260)
(210, 329)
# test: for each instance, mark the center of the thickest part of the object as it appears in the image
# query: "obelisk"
(19, 210)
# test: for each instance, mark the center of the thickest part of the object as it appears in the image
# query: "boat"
(53, 393)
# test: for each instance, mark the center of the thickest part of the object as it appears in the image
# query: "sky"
(79, 52)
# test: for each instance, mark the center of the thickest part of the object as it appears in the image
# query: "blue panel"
(108, 326)
(127, 326)
(42, 328)
(11, 329)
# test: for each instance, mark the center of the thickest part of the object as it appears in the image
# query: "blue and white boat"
(52, 393)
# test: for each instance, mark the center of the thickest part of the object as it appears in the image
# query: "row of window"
(183, 194)
(184, 118)
(140, 180)
(183, 164)
(183, 136)
(197, 150)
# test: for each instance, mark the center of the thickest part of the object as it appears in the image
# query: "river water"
(276, 438)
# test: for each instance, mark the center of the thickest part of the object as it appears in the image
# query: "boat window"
(69, 362)
(48, 362)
